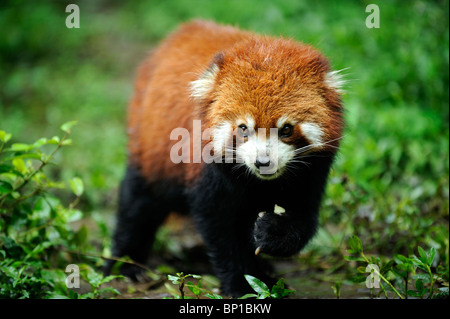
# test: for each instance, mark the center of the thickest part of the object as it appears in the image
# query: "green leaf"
(67, 142)
(36, 155)
(41, 209)
(39, 249)
(337, 288)
(72, 215)
(54, 140)
(40, 142)
(355, 245)
(20, 147)
(67, 126)
(174, 279)
(403, 269)
(431, 255)
(13, 249)
(5, 187)
(193, 288)
(5, 168)
(257, 285)
(76, 184)
(420, 286)
(422, 254)
(279, 291)
(358, 278)
(89, 295)
(5, 137)
(419, 263)
(353, 258)
(109, 278)
(19, 164)
(399, 259)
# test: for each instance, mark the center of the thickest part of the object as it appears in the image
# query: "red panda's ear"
(203, 86)
(219, 59)
(335, 80)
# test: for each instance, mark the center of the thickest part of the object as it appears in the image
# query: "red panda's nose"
(262, 161)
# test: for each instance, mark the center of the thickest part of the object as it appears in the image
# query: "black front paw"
(276, 235)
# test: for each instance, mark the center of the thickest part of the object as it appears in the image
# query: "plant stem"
(181, 287)
(126, 261)
(382, 277)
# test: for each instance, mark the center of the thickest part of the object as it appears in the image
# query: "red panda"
(240, 86)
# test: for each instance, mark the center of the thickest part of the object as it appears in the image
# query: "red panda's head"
(262, 84)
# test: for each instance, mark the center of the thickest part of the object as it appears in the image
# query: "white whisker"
(306, 148)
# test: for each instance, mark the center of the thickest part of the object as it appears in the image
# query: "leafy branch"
(43, 158)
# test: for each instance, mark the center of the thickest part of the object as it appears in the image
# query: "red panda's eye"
(243, 130)
(286, 130)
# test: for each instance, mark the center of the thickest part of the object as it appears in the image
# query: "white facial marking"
(313, 133)
(203, 86)
(250, 122)
(285, 120)
(258, 145)
(271, 149)
(251, 149)
(285, 154)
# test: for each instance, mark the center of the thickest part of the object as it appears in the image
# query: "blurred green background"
(390, 184)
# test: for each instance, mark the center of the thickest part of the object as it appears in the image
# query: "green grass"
(390, 184)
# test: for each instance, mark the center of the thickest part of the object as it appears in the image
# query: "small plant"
(402, 271)
(337, 289)
(197, 289)
(95, 281)
(278, 290)
(357, 249)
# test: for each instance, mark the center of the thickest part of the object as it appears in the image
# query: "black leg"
(141, 211)
(232, 253)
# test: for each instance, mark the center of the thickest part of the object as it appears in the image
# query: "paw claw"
(257, 251)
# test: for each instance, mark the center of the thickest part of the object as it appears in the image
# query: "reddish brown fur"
(280, 74)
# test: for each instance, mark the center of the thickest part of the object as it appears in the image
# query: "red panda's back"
(162, 102)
